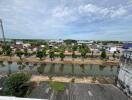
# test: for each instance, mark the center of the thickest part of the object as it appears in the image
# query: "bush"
(14, 85)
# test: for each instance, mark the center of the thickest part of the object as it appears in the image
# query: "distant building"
(26, 45)
(19, 42)
(85, 42)
(112, 49)
(127, 46)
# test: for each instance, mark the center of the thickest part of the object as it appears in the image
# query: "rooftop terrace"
(81, 92)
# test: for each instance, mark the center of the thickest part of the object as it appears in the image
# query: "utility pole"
(2, 30)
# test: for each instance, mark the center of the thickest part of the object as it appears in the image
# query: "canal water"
(59, 69)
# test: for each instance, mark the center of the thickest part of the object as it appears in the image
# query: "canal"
(59, 69)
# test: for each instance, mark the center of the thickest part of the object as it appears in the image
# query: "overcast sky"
(64, 19)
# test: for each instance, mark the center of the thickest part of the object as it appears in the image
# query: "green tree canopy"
(6, 49)
(19, 53)
(14, 84)
(52, 54)
(62, 56)
(39, 54)
(103, 54)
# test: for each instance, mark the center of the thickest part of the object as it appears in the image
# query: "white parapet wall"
(16, 98)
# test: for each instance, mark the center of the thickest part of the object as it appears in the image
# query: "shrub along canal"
(59, 69)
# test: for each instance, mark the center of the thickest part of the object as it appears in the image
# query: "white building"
(19, 42)
(112, 49)
(26, 45)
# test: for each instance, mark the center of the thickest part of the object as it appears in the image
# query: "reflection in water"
(61, 69)
(19, 63)
(31, 67)
(41, 68)
(91, 66)
(44, 65)
(72, 68)
(9, 67)
(22, 67)
(27, 63)
(52, 69)
(101, 67)
(111, 68)
(2, 64)
(82, 68)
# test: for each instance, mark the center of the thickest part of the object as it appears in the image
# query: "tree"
(19, 53)
(39, 54)
(74, 47)
(62, 56)
(6, 49)
(69, 41)
(26, 52)
(103, 54)
(14, 84)
(84, 50)
(114, 55)
(92, 52)
(73, 55)
(44, 53)
(83, 53)
(51, 54)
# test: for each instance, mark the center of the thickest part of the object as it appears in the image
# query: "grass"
(57, 86)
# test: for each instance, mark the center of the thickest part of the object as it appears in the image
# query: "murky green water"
(60, 69)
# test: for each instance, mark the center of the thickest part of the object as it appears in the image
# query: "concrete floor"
(81, 92)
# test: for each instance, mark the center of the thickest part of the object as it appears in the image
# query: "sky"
(67, 19)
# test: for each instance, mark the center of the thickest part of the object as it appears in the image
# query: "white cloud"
(62, 12)
(119, 12)
(95, 10)
(90, 8)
